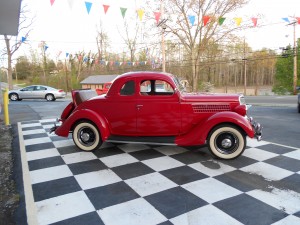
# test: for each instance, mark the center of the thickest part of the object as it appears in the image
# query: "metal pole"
(163, 39)
(245, 69)
(295, 62)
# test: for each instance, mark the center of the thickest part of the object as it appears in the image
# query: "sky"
(69, 28)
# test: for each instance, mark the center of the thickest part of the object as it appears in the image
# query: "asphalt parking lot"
(143, 184)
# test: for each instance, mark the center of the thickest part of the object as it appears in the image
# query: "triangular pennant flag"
(298, 19)
(254, 20)
(45, 48)
(23, 39)
(140, 13)
(205, 20)
(123, 11)
(238, 21)
(157, 16)
(105, 7)
(221, 20)
(52, 2)
(88, 6)
(192, 19)
(67, 54)
(286, 19)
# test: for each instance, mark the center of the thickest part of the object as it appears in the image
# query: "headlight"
(242, 100)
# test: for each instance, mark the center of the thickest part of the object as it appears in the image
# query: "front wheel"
(226, 142)
(14, 97)
(86, 136)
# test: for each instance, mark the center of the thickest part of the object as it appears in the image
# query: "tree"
(284, 72)
(195, 37)
(13, 46)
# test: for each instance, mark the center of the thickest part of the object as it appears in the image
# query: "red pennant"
(205, 20)
(52, 2)
(105, 8)
(157, 16)
(254, 20)
(298, 20)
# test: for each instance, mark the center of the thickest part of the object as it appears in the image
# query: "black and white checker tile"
(145, 184)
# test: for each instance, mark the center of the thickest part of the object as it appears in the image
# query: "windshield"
(179, 86)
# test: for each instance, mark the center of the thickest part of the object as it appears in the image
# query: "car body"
(298, 103)
(36, 92)
(131, 112)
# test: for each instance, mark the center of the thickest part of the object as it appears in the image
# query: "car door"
(39, 92)
(26, 92)
(158, 109)
(121, 111)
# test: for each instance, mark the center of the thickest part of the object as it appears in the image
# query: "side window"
(155, 87)
(128, 88)
(30, 88)
(40, 88)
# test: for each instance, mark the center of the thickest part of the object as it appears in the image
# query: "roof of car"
(144, 73)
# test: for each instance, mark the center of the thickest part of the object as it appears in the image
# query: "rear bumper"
(257, 127)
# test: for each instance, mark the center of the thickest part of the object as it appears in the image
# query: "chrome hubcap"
(226, 143)
(85, 137)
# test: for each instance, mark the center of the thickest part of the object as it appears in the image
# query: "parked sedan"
(36, 92)
(298, 88)
(298, 103)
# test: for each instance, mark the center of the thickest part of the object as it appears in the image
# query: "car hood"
(210, 97)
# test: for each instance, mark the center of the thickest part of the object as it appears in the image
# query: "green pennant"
(123, 11)
(221, 20)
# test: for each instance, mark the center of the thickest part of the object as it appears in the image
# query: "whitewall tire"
(86, 136)
(226, 142)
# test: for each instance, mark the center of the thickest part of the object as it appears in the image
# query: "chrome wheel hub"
(226, 143)
(85, 137)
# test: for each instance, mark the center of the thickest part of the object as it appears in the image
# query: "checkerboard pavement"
(146, 184)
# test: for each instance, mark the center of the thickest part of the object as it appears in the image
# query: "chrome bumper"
(53, 129)
(257, 128)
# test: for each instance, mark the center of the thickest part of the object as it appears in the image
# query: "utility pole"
(163, 51)
(245, 69)
(295, 60)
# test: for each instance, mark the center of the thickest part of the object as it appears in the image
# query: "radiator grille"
(210, 108)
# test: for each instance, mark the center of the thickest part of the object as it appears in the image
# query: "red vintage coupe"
(153, 108)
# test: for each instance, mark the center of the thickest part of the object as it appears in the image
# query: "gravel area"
(9, 198)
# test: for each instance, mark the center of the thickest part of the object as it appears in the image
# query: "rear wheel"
(86, 136)
(226, 142)
(298, 107)
(50, 97)
(14, 97)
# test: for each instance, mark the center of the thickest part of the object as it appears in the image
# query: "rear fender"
(199, 134)
(84, 114)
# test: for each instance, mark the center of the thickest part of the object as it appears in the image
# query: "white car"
(36, 92)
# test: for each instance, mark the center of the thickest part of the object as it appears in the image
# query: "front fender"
(84, 114)
(198, 135)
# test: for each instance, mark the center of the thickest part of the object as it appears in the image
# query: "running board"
(168, 140)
